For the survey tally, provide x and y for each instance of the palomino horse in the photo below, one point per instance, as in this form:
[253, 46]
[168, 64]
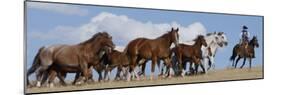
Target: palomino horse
[113, 60]
[142, 49]
[190, 53]
[71, 58]
[243, 52]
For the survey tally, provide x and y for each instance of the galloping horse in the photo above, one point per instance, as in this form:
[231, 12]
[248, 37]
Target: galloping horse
[243, 52]
[113, 60]
[191, 53]
[142, 49]
[214, 41]
[71, 58]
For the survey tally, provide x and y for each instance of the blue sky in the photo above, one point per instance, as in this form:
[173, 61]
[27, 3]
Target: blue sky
[49, 24]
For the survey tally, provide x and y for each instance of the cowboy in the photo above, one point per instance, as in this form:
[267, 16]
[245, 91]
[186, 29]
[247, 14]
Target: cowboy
[244, 36]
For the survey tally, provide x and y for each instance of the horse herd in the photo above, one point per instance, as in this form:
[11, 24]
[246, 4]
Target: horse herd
[98, 53]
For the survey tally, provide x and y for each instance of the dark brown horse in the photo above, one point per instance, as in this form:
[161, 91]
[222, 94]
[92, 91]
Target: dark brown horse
[72, 58]
[113, 60]
[244, 52]
[150, 49]
[190, 53]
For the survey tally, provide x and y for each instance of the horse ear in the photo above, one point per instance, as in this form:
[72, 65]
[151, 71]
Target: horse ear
[177, 29]
[172, 28]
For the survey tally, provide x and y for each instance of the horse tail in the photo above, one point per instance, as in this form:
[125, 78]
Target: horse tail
[35, 64]
[234, 54]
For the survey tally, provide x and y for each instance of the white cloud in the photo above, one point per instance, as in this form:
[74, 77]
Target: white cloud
[58, 8]
[123, 29]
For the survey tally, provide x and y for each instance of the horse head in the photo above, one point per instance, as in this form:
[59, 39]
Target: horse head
[104, 42]
[201, 39]
[174, 35]
[221, 39]
[254, 42]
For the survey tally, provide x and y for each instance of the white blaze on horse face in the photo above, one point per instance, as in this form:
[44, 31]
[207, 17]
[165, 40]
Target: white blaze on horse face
[176, 42]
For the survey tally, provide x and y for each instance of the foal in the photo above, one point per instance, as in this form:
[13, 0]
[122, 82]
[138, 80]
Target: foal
[190, 53]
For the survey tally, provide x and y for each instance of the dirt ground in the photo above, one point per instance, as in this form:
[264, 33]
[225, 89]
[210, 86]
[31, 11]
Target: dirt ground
[213, 75]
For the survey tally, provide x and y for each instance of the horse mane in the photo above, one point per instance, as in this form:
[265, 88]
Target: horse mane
[209, 34]
[165, 35]
[93, 38]
[87, 46]
[251, 41]
[199, 36]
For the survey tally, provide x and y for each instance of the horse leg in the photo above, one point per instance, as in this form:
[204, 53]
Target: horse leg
[61, 76]
[212, 61]
[250, 62]
[244, 61]
[154, 60]
[52, 76]
[131, 67]
[180, 63]
[44, 77]
[84, 69]
[107, 73]
[30, 71]
[169, 66]
[118, 73]
[202, 67]
[76, 78]
[39, 74]
[191, 70]
[196, 67]
[205, 62]
[237, 60]
[100, 75]
[90, 78]
[143, 63]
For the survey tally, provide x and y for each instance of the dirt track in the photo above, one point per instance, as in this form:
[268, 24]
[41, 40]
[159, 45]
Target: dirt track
[215, 75]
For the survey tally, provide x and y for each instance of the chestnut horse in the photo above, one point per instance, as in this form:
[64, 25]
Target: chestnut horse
[142, 49]
[243, 52]
[113, 60]
[71, 58]
[190, 53]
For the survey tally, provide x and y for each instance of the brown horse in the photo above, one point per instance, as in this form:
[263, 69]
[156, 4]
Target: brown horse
[72, 58]
[150, 49]
[113, 60]
[243, 52]
[190, 53]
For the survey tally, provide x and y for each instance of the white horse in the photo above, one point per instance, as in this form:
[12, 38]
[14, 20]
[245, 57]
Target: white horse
[214, 40]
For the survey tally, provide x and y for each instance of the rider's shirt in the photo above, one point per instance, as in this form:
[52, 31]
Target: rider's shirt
[245, 35]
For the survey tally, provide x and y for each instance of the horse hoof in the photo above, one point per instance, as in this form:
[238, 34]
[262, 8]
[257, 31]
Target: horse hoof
[38, 84]
[51, 85]
[151, 77]
[78, 83]
[170, 77]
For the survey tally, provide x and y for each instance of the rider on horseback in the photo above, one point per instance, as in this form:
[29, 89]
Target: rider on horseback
[244, 37]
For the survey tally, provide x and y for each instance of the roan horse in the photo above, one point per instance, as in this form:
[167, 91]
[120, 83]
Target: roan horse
[243, 52]
[142, 49]
[71, 58]
[190, 53]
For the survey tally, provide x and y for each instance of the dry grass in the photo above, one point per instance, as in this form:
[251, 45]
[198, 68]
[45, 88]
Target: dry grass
[215, 75]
